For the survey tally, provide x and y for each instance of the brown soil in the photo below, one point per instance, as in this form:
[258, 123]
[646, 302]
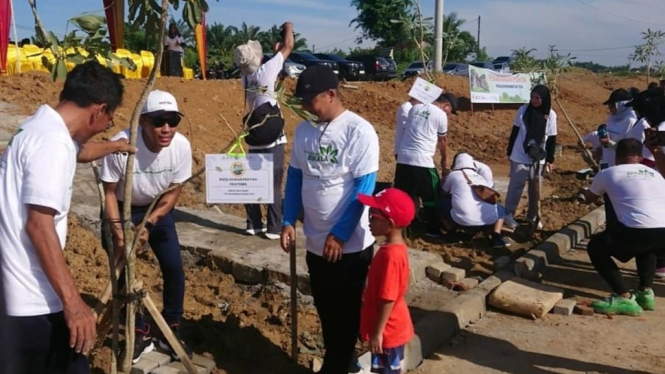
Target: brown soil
[256, 321]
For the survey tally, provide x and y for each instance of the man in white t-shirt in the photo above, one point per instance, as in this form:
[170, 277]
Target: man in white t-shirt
[530, 148]
[461, 206]
[163, 160]
[259, 80]
[332, 162]
[52, 326]
[636, 192]
[401, 119]
[425, 132]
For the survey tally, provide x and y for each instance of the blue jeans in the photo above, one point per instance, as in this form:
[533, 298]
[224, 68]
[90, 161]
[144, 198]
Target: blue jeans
[164, 243]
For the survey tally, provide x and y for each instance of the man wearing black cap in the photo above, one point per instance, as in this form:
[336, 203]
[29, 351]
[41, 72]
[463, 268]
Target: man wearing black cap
[332, 162]
[425, 131]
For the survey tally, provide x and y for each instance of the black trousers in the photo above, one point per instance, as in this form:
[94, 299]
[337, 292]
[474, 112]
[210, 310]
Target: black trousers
[274, 210]
[421, 184]
[624, 244]
[337, 289]
[42, 346]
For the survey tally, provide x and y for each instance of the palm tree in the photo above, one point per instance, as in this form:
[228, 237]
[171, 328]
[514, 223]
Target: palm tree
[273, 35]
[246, 33]
[523, 61]
[221, 39]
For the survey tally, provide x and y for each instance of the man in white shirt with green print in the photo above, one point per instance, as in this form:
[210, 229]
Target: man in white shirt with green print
[332, 162]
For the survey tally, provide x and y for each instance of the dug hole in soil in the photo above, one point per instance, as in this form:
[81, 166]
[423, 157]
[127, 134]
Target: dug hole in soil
[251, 329]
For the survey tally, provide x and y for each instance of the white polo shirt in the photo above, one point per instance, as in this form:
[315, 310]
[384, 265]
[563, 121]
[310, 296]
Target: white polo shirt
[37, 168]
[153, 172]
[425, 125]
[636, 192]
[331, 156]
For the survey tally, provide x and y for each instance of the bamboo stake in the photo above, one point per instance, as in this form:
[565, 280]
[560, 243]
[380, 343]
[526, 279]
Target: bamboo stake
[590, 158]
[127, 199]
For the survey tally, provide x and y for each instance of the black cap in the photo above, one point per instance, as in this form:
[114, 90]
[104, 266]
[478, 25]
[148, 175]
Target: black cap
[452, 99]
[618, 96]
[315, 80]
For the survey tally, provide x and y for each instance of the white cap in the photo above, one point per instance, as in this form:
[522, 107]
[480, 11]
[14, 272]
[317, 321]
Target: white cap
[160, 101]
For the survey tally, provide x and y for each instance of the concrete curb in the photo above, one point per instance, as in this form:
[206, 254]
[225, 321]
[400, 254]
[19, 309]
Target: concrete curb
[439, 327]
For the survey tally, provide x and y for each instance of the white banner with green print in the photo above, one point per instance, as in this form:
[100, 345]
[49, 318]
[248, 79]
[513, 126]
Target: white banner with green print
[490, 87]
[239, 179]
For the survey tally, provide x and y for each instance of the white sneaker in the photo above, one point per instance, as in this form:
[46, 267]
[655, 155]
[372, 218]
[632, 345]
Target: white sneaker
[509, 221]
[254, 232]
[272, 236]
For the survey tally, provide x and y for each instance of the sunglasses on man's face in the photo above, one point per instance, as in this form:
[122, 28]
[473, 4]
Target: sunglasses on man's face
[160, 121]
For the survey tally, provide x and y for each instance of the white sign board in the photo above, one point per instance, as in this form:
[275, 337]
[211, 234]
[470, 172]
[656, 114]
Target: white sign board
[488, 86]
[424, 91]
[239, 180]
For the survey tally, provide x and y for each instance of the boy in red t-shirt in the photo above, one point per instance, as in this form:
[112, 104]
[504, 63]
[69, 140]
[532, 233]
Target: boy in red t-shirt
[384, 320]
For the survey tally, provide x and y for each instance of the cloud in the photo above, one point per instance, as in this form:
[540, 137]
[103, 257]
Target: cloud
[309, 4]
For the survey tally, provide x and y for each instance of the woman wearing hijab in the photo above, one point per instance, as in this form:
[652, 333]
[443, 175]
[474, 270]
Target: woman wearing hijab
[173, 41]
[532, 142]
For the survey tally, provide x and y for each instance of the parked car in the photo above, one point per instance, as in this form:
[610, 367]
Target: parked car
[456, 68]
[500, 59]
[416, 68]
[309, 59]
[502, 68]
[349, 70]
[290, 69]
[377, 67]
[482, 64]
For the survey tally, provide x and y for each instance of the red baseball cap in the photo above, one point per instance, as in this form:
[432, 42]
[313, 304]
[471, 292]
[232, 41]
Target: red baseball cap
[394, 203]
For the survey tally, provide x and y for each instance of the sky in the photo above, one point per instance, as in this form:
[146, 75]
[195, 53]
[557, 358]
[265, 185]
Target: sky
[603, 31]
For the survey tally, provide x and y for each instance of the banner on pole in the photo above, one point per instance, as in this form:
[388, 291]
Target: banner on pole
[490, 87]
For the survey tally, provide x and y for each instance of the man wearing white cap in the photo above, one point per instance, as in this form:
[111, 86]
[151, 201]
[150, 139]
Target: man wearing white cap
[163, 159]
[261, 107]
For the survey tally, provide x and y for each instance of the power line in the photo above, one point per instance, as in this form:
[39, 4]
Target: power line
[337, 43]
[618, 15]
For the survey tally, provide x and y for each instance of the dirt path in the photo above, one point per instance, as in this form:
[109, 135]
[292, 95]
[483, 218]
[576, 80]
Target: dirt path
[502, 343]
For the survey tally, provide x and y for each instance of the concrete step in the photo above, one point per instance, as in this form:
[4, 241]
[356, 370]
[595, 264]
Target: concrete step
[158, 362]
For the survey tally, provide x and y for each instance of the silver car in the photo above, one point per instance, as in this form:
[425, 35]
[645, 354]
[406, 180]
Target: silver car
[290, 69]
[456, 68]
[415, 69]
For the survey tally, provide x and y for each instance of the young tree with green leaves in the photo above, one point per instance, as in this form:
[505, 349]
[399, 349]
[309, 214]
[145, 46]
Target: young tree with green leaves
[647, 52]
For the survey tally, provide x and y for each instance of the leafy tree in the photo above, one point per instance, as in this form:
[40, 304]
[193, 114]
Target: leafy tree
[645, 53]
[554, 65]
[375, 19]
[524, 61]
[246, 33]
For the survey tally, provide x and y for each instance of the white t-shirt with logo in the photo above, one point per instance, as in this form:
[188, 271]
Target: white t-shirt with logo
[37, 168]
[331, 156]
[486, 172]
[172, 43]
[401, 119]
[636, 192]
[426, 124]
[468, 209]
[153, 172]
[264, 78]
[518, 154]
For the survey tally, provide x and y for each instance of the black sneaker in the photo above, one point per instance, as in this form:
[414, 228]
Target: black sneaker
[498, 242]
[164, 344]
[142, 344]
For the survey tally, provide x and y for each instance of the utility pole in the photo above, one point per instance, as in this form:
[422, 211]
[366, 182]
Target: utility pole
[438, 36]
[478, 38]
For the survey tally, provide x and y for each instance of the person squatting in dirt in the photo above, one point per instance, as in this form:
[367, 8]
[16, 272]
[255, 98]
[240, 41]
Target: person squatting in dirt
[332, 162]
[426, 130]
[636, 192]
[163, 160]
[530, 150]
[385, 321]
[462, 208]
[258, 81]
[52, 328]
